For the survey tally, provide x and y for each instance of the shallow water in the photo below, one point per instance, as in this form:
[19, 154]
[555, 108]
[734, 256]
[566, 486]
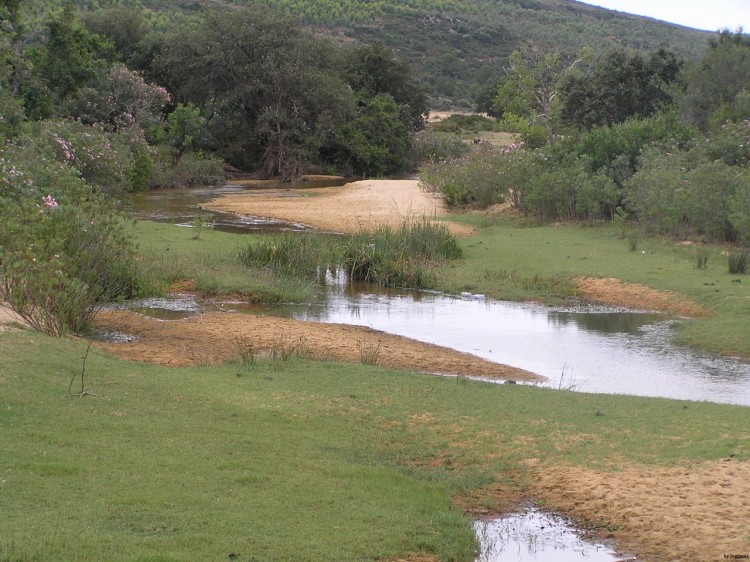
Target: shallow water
[535, 536]
[591, 349]
[180, 206]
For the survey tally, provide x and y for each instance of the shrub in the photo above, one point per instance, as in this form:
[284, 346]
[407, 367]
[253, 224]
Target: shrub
[429, 147]
[190, 169]
[63, 250]
[475, 179]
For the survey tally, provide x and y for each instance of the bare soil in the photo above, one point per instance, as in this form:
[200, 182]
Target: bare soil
[699, 512]
[186, 342]
[351, 208]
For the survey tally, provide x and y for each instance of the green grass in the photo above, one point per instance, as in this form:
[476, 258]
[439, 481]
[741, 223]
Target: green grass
[294, 460]
[171, 253]
[513, 258]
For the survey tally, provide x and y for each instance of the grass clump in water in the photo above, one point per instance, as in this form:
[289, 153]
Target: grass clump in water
[293, 254]
[399, 257]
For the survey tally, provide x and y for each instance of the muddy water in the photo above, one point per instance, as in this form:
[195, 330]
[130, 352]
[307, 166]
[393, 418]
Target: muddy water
[535, 535]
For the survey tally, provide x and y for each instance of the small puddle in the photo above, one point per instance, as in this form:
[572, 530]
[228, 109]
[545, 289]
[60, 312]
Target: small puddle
[535, 535]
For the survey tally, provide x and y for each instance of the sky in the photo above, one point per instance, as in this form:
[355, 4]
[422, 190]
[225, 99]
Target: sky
[710, 15]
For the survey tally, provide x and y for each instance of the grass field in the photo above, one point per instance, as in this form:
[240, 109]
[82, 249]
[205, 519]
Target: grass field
[294, 460]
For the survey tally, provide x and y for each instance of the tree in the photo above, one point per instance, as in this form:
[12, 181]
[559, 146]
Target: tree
[618, 87]
[267, 88]
[719, 88]
[529, 93]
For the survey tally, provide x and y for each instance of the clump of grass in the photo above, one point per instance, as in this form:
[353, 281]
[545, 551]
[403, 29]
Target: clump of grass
[247, 352]
[738, 261]
[369, 353]
[294, 254]
[702, 256]
[399, 257]
[286, 348]
[633, 238]
[559, 285]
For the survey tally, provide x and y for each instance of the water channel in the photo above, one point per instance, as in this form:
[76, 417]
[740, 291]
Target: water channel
[591, 349]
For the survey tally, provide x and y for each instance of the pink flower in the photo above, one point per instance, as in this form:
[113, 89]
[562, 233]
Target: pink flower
[49, 201]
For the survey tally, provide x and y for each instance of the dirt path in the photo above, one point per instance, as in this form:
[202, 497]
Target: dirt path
[221, 336]
[360, 205]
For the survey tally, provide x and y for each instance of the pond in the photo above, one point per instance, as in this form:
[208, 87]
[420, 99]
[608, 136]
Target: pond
[591, 349]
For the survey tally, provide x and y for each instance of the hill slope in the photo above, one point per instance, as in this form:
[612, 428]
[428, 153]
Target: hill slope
[456, 47]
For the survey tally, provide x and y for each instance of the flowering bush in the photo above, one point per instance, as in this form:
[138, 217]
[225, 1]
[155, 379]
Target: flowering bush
[62, 247]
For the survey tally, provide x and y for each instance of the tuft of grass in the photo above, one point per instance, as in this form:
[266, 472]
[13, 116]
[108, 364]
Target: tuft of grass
[292, 254]
[399, 257]
[369, 353]
[702, 256]
[738, 262]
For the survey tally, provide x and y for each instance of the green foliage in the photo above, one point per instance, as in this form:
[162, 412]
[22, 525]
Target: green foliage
[375, 142]
[457, 123]
[62, 248]
[680, 192]
[619, 87]
[185, 126]
[267, 87]
[399, 257]
[474, 179]
[718, 89]
[191, 169]
[428, 147]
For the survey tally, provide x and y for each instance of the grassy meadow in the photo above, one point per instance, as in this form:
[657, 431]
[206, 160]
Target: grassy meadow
[305, 460]
[293, 460]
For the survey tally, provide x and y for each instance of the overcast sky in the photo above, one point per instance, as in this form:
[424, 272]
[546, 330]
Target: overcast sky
[699, 14]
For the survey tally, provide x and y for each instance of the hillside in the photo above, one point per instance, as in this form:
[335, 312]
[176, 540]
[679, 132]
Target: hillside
[457, 47]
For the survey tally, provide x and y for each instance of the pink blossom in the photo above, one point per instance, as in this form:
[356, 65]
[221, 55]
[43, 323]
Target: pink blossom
[49, 201]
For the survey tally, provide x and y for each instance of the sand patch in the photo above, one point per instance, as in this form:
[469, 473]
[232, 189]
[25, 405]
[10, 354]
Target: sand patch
[695, 513]
[356, 206]
[9, 320]
[217, 337]
[632, 295]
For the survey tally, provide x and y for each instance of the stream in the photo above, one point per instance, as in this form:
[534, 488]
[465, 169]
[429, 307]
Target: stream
[588, 348]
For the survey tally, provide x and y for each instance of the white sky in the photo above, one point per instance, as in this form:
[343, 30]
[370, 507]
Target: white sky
[710, 15]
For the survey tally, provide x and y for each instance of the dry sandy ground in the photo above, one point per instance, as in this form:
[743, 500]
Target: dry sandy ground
[356, 206]
[699, 513]
[184, 342]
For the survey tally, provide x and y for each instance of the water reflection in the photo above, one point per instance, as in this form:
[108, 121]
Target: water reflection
[535, 535]
[592, 349]
[181, 205]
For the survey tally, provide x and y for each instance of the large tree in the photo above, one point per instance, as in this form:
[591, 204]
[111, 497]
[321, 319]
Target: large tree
[267, 87]
[619, 86]
[719, 89]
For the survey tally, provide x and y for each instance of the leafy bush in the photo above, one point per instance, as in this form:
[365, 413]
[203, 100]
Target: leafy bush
[457, 123]
[63, 250]
[429, 147]
[475, 179]
[192, 168]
